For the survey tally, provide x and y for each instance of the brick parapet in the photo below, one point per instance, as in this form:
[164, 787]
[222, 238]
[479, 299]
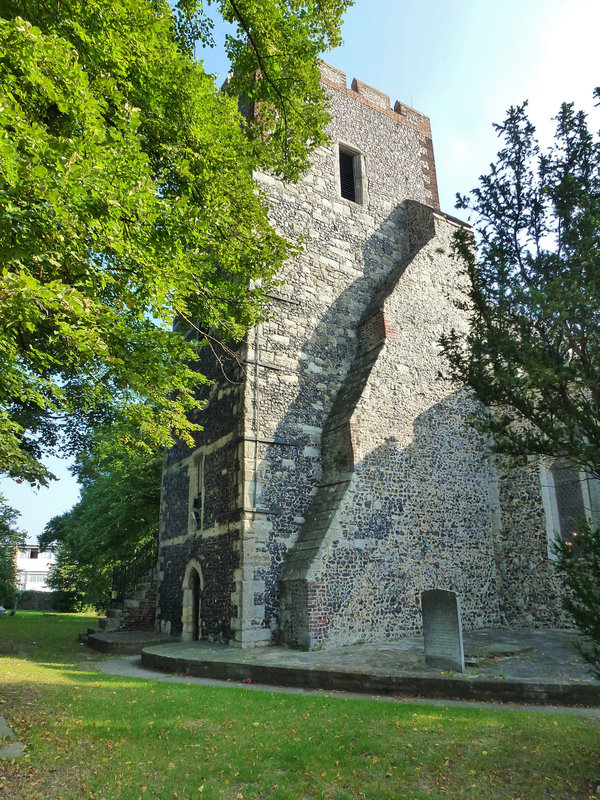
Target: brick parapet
[416, 121]
[401, 113]
[375, 98]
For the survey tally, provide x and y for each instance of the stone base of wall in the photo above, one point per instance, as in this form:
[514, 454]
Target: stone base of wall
[142, 618]
[294, 630]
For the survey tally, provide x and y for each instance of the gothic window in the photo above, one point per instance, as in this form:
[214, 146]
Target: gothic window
[570, 497]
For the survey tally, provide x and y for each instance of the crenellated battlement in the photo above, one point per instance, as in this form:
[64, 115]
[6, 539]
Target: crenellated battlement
[359, 90]
[402, 114]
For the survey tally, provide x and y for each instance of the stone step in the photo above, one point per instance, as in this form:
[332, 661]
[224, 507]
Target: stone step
[137, 594]
[124, 642]
[109, 623]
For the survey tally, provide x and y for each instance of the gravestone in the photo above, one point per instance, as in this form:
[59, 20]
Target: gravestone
[442, 630]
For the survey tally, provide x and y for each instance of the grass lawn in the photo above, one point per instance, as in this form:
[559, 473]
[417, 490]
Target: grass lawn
[89, 735]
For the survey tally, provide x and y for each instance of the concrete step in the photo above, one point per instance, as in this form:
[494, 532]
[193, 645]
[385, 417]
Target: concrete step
[124, 642]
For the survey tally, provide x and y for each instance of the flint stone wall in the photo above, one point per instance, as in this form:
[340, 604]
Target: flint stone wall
[339, 477]
[206, 478]
[530, 588]
[356, 508]
[219, 558]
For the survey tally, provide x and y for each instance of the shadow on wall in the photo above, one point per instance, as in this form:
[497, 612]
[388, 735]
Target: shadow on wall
[408, 518]
[291, 469]
[373, 495]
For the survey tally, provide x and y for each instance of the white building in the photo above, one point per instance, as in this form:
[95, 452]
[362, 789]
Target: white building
[33, 567]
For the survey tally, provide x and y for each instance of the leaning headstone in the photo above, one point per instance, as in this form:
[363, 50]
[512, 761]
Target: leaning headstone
[442, 630]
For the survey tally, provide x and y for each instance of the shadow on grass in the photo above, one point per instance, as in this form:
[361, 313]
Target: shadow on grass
[116, 735]
[94, 735]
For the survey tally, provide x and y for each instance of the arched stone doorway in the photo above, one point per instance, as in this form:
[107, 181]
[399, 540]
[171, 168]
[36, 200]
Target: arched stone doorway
[191, 615]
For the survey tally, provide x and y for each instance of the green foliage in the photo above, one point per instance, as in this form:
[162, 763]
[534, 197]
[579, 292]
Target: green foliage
[116, 516]
[10, 539]
[127, 200]
[274, 54]
[532, 354]
[580, 564]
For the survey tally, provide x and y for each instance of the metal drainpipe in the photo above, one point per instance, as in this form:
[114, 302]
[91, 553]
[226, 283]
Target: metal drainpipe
[256, 421]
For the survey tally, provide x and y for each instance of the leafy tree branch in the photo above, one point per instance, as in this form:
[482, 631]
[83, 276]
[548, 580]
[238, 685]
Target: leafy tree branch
[127, 200]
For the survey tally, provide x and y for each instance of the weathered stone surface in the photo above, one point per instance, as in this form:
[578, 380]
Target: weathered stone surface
[442, 630]
[337, 476]
[11, 747]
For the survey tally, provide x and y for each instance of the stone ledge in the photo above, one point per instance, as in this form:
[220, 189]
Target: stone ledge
[123, 642]
[524, 691]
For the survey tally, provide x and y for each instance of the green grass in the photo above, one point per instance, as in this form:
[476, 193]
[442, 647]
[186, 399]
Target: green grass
[94, 736]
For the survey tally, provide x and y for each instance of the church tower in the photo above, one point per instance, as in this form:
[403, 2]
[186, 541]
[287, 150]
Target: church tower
[337, 476]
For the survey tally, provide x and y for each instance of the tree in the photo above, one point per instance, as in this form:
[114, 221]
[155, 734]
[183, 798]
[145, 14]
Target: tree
[579, 561]
[115, 518]
[127, 200]
[10, 539]
[532, 353]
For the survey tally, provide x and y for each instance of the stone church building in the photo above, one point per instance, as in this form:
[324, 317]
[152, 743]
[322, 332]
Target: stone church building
[337, 476]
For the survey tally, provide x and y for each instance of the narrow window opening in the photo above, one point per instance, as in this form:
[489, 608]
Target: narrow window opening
[570, 504]
[198, 492]
[347, 176]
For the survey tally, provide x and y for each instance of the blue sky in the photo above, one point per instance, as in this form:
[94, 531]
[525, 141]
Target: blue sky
[460, 62]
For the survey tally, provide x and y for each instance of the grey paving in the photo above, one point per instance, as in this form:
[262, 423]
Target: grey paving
[131, 667]
[526, 667]
[12, 748]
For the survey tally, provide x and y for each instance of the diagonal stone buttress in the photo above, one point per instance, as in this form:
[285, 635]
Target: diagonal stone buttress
[301, 619]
